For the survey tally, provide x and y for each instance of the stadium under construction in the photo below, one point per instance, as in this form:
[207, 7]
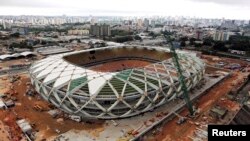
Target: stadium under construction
[114, 82]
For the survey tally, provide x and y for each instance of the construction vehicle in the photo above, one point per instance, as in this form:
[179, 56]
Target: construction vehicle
[134, 132]
[181, 77]
[114, 123]
[75, 118]
[181, 119]
[38, 108]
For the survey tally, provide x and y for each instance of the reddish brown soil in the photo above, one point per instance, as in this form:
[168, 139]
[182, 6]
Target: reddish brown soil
[4, 132]
[9, 119]
[211, 60]
[228, 104]
[42, 120]
[120, 65]
[173, 132]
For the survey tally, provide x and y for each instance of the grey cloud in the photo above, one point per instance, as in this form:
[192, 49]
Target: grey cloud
[24, 3]
[227, 2]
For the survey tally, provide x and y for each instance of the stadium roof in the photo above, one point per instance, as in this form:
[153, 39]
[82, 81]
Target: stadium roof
[85, 92]
[56, 69]
[62, 73]
[15, 55]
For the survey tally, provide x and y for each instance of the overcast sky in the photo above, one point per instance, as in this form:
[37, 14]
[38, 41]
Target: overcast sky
[230, 9]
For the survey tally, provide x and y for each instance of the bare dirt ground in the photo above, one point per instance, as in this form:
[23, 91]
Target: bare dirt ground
[46, 126]
[216, 96]
[4, 132]
[120, 65]
[4, 85]
[12, 62]
[212, 60]
[41, 121]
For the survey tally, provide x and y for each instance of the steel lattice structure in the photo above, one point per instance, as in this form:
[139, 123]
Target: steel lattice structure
[106, 95]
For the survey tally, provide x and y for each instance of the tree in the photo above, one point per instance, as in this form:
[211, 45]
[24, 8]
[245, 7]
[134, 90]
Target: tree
[120, 33]
[78, 40]
[137, 37]
[220, 46]
[123, 39]
[152, 34]
[55, 36]
[159, 25]
[22, 44]
[208, 41]
[191, 41]
[43, 42]
[102, 44]
[184, 39]
[15, 35]
[198, 45]
[183, 44]
[36, 42]
[240, 42]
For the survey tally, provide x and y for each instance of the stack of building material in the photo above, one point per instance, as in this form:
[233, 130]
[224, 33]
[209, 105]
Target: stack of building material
[25, 126]
[2, 105]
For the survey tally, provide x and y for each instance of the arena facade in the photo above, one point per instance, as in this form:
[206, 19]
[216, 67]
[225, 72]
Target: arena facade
[113, 82]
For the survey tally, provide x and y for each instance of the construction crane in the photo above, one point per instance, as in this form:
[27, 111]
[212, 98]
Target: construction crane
[181, 77]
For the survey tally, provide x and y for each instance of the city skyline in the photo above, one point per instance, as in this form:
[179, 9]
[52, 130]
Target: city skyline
[229, 9]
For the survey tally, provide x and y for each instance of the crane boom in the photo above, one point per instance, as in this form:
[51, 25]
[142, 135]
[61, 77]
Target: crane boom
[181, 77]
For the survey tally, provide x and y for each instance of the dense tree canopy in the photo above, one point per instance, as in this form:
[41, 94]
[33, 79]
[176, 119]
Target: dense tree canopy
[123, 39]
[121, 33]
[240, 43]
[137, 37]
[16, 35]
[22, 44]
[208, 41]
[220, 46]
[183, 44]
[191, 41]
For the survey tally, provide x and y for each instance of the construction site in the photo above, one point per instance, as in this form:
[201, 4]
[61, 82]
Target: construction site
[223, 104]
[221, 97]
